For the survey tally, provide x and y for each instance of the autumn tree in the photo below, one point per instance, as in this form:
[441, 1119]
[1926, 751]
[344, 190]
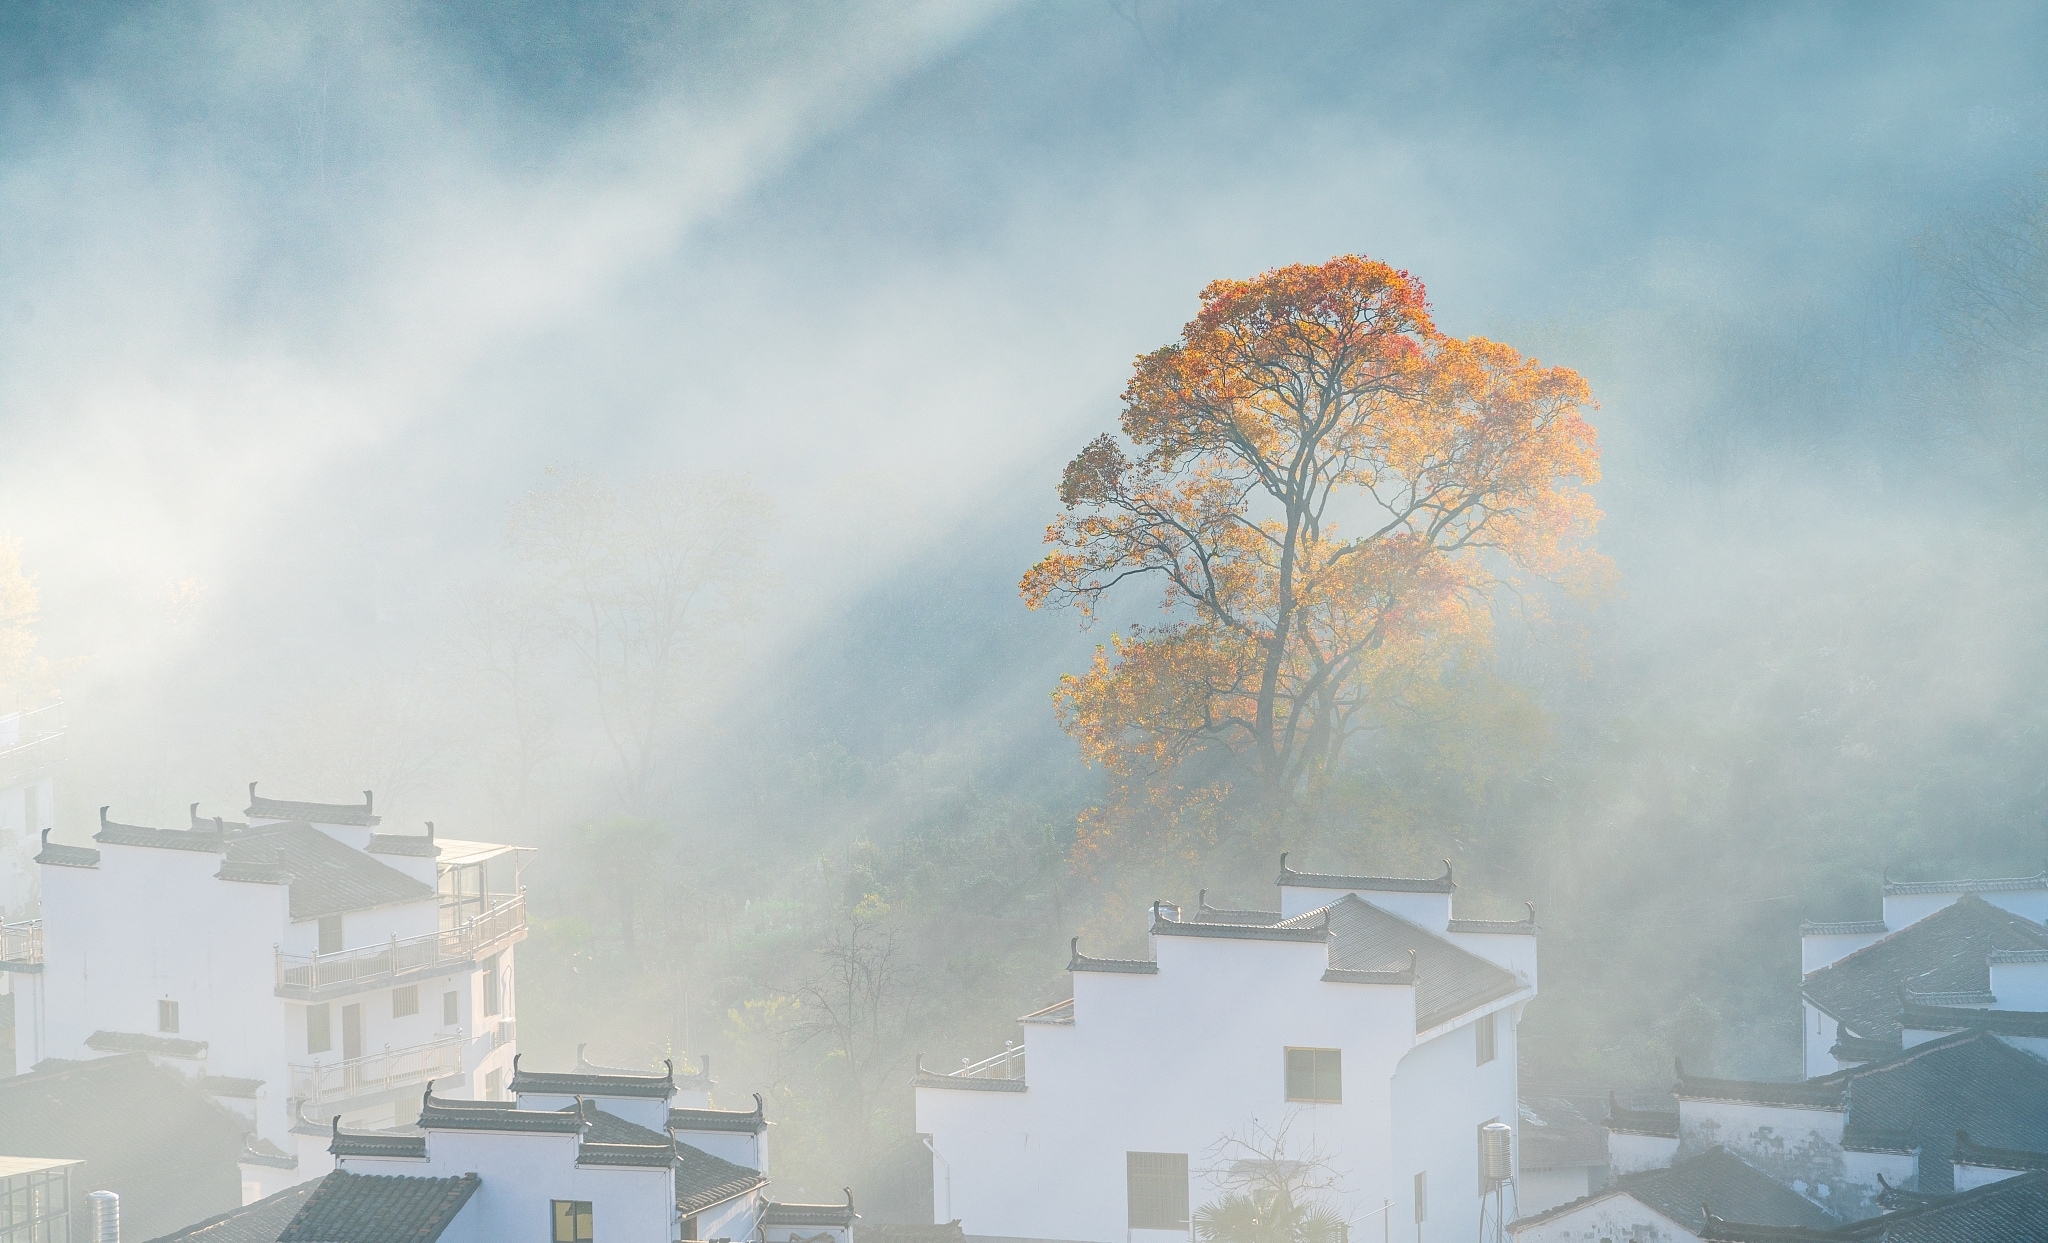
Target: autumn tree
[1323, 492]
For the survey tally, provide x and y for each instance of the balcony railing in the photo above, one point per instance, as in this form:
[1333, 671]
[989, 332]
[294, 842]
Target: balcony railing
[1009, 1064]
[21, 945]
[306, 975]
[387, 1071]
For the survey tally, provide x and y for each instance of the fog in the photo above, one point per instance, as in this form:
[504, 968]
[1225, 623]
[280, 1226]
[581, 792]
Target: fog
[297, 307]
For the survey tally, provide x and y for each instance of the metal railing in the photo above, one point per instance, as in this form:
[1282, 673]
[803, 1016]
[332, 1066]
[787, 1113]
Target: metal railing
[377, 1072]
[22, 942]
[1009, 1064]
[303, 975]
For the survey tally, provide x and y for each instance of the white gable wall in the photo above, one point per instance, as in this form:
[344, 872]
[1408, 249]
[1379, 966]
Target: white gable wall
[1902, 909]
[1619, 1217]
[1970, 1177]
[523, 1173]
[1441, 1097]
[2020, 985]
[1825, 950]
[1631, 1154]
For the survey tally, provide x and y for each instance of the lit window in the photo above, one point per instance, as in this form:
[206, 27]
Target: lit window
[167, 1016]
[572, 1221]
[319, 1032]
[405, 1001]
[1315, 1075]
[1156, 1187]
[1483, 1034]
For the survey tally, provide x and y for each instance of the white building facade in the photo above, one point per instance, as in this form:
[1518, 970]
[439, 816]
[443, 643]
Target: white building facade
[31, 744]
[1362, 1026]
[298, 966]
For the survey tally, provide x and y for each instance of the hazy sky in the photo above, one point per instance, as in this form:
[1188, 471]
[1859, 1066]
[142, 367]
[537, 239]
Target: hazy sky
[293, 303]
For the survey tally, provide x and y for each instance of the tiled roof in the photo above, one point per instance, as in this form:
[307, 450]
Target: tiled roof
[1119, 966]
[1969, 1152]
[574, 1083]
[1286, 931]
[1853, 1048]
[444, 1115]
[1223, 915]
[1657, 1122]
[1058, 1014]
[229, 1085]
[205, 841]
[700, 1077]
[370, 1143]
[402, 844]
[1499, 927]
[322, 813]
[1943, 952]
[1843, 928]
[327, 877]
[136, 1042]
[1827, 1092]
[651, 1156]
[1555, 1134]
[379, 1208]
[600, 1127]
[216, 824]
[1956, 1018]
[114, 1112]
[1449, 981]
[252, 1223]
[1971, 1081]
[742, 1121]
[2012, 1210]
[1388, 884]
[840, 1215]
[259, 1151]
[1715, 1180]
[59, 855]
[2002, 885]
[704, 1181]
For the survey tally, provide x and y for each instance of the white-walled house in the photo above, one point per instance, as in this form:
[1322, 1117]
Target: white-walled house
[1362, 1019]
[297, 966]
[1935, 938]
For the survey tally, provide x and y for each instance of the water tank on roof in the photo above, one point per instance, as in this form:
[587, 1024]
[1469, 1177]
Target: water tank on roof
[1496, 1152]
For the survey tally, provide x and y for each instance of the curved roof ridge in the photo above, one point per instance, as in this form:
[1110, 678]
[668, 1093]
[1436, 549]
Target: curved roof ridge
[1392, 884]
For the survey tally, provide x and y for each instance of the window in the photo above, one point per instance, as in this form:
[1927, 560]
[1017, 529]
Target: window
[491, 998]
[1157, 1190]
[572, 1221]
[405, 1001]
[330, 934]
[1315, 1075]
[319, 1031]
[1483, 1036]
[451, 1014]
[167, 1016]
[1422, 1196]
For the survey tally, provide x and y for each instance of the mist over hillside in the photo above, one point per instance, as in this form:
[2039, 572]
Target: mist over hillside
[298, 309]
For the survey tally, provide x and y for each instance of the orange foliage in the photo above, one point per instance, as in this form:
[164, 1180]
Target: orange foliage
[1327, 490]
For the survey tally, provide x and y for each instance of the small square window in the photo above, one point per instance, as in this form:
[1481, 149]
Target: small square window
[1483, 1036]
[1315, 1075]
[405, 1001]
[451, 1011]
[167, 1016]
[573, 1222]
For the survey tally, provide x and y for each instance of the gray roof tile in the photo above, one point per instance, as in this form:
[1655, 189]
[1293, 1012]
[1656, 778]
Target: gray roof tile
[1944, 952]
[744, 1121]
[328, 877]
[1450, 981]
[321, 813]
[1715, 1179]
[2013, 1210]
[586, 1083]
[704, 1181]
[379, 1208]
[252, 1223]
[1385, 884]
[137, 1042]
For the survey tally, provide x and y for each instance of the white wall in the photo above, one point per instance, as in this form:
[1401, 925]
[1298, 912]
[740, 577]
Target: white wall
[20, 841]
[1429, 910]
[1631, 1154]
[1971, 1177]
[1791, 1145]
[1816, 952]
[2020, 985]
[1537, 1190]
[1821, 1032]
[522, 1173]
[1903, 909]
[1441, 1097]
[1617, 1217]
[651, 1113]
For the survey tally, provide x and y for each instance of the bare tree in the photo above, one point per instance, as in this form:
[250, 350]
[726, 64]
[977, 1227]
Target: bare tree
[504, 645]
[1274, 1189]
[644, 580]
[856, 1007]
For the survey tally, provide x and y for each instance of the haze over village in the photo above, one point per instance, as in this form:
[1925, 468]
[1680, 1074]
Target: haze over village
[976, 622]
